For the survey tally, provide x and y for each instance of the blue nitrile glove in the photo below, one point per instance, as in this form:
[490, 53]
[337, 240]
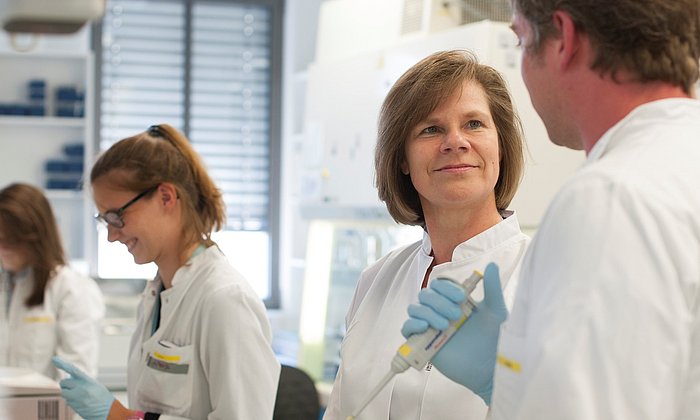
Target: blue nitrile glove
[469, 358]
[87, 397]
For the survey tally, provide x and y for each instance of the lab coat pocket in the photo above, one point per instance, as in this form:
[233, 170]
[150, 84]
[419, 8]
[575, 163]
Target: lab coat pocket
[166, 383]
[509, 377]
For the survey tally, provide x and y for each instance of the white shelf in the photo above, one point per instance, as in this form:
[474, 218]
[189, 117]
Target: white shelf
[42, 121]
[58, 194]
[14, 55]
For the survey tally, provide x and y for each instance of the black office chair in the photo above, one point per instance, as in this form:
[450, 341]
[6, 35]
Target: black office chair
[297, 398]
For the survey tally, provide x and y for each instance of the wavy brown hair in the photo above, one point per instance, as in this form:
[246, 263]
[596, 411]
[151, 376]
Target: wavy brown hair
[163, 154]
[413, 97]
[27, 223]
[655, 40]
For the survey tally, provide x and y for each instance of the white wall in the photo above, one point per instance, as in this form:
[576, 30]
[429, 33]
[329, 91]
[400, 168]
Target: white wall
[300, 28]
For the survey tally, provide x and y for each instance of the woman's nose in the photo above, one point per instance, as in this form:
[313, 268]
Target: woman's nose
[455, 140]
[112, 233]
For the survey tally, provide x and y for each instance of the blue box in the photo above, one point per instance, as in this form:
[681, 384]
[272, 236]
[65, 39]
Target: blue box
[36, 110]
[74, 150]
[64, 184]
[64, 166]
[37, 83]
[66, 93]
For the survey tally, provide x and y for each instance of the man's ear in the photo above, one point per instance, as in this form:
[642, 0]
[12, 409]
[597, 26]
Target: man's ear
[569, 40]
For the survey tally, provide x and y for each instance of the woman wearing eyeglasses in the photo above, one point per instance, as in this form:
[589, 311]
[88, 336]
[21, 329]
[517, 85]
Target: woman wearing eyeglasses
[202, 346]
[48, 308]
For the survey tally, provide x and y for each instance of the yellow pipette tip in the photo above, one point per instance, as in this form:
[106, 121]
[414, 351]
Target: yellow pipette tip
[350, 418]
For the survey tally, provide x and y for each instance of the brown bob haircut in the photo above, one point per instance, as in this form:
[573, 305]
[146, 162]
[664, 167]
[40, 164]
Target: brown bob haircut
[163, 154]
[413, 97]
[27, 224]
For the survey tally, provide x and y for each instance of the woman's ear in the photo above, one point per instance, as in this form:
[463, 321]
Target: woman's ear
[404, 168]
[167, 194]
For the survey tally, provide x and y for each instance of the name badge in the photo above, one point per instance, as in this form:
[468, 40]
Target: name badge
[38, 319]
[167, 364]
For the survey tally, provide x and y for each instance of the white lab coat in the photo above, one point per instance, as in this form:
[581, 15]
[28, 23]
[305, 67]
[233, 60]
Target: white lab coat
[211, 358]
[605, 323]
[65, 325]
[378, 311]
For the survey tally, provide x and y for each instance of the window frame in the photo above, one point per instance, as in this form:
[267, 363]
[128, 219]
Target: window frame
[272, 301]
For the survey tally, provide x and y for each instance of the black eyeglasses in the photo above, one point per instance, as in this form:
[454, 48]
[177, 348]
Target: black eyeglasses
[114, 217]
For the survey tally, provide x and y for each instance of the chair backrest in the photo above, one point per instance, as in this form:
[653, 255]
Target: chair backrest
[297, 398]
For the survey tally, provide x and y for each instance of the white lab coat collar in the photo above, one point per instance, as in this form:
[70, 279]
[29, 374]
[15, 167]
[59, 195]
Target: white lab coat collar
[483, 242]
[663, 108]
[182, 276]
[182, 280]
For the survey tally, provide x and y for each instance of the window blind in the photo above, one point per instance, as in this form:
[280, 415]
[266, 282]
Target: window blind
[229, 121]
[212, 69]
[205, 68]
[142, 68]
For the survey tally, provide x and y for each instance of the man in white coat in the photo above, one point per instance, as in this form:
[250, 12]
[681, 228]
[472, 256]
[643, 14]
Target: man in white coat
[606, 319]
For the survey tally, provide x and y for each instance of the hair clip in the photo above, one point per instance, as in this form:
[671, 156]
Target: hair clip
[154, 131]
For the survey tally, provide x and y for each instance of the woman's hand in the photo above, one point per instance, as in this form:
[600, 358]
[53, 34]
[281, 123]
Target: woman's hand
[87, 397]
[469, 357]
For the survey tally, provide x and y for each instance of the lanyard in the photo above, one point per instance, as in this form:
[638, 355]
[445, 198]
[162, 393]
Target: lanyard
[156, 310]
[9, 289]
[12, 279]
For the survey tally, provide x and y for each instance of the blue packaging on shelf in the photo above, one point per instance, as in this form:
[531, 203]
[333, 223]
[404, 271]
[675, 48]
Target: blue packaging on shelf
[36, 110]
[64, 184]
[37, 90]
[70, 111]
[67, 93]
[69, 102]
[19, 109]
[37, 83]
[64, 166]
[74, 150]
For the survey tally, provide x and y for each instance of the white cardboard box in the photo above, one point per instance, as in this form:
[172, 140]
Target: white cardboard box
[27, 395]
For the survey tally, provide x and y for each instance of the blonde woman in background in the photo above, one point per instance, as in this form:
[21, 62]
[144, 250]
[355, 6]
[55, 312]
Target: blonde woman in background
[48, 309]
[202, 346]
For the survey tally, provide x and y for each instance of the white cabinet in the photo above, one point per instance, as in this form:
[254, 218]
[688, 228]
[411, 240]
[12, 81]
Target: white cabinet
[27, 142]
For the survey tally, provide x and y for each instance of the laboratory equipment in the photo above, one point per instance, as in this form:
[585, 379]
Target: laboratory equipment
[419, 349]
[51, 17]
[28, 395]
[341, 242]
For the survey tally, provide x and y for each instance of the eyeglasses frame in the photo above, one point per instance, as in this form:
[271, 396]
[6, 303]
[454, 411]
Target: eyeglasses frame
[118, 212]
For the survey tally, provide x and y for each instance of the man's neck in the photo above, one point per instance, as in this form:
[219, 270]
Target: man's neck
[608, 102]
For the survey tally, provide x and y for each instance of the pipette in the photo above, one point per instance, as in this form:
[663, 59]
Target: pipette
[419, 349]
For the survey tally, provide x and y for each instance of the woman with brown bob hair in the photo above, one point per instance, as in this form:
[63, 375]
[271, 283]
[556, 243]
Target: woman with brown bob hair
[202, 344]
[49, 309]
[449, 158]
